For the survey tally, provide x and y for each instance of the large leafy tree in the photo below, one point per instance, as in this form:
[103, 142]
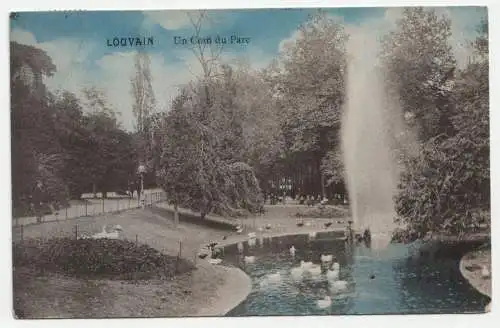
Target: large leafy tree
[36, 152]
[203, 159]
[420, 68]
[447, 187]
[310, 82]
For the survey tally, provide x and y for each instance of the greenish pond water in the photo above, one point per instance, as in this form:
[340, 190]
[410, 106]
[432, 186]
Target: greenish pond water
[398, 280]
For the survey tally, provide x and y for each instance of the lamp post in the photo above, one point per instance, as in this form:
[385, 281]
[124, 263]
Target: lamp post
[141, 170]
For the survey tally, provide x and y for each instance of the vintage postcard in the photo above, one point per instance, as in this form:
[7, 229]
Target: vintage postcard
[259, 162]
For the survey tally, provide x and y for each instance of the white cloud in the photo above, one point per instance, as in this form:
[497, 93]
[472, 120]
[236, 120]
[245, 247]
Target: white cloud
[112, 75]
[23, 37]
[169, 20]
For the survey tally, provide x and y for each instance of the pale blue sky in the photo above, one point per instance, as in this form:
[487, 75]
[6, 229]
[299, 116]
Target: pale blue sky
[77, 43]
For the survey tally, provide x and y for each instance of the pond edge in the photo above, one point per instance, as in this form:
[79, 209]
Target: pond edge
[239, 285]
[472, 281]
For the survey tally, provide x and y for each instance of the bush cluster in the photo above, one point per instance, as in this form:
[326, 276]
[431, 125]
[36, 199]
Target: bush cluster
[320, 212]
[97, 258]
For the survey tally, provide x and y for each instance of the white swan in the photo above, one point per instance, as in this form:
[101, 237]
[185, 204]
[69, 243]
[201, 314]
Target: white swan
[336, 266]
[326, 258]
[214, 261]
[240, 247]
[249, 259]
[297, 273]
[315, 271]
[104, 234]
[339, 285]
[292, 250]
[252, 242]
[306, 265]
[274, 277]
[324, 303]
[332, 274]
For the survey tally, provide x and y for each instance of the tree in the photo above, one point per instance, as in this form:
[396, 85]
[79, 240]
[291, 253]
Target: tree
[109, 158]
[36, 152]
[310, 84]
[447, 188]
[420, 68]
[197, 168]
[143, 106]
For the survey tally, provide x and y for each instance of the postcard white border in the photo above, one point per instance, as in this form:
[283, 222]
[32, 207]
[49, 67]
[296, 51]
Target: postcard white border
[408, 321]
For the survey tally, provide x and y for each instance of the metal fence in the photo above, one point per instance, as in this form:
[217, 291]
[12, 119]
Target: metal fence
[95, 207]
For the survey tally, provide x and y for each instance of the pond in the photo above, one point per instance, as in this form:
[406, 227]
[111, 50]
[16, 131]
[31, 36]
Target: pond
[398, 280]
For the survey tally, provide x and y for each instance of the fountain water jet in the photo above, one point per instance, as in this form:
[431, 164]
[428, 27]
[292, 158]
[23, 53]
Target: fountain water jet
[371, 127]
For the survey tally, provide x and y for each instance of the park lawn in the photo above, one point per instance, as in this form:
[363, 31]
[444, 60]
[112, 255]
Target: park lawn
[56, 296]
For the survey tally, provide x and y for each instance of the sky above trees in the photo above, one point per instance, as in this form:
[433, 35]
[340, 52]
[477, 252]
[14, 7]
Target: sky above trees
[77, 44]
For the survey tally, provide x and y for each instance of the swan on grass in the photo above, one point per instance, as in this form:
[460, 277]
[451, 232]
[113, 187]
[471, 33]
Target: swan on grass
[214, 261]
[105, 234]
[324, 303]
[249, 259]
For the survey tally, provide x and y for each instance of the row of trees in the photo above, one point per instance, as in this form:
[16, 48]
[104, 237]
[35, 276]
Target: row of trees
[62, 146]
[283, 124]
[234, 134]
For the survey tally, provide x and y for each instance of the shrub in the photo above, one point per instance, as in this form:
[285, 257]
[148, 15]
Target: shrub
[320, 212]
[97, 258]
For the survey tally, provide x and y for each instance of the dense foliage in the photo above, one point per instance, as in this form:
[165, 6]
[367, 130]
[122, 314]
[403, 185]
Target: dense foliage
[203, 162]
[62, 146]
[235, 135]
[446, 188]
[97, 258]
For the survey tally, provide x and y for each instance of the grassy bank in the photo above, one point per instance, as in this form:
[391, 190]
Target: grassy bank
[55, 294]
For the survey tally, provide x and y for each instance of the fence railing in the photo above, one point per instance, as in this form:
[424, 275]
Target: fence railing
[94, 207]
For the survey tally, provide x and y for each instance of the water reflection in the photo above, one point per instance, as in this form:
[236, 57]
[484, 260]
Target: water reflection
[396, 280]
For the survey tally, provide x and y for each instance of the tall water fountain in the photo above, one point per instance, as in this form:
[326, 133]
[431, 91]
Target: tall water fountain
[370, 128]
